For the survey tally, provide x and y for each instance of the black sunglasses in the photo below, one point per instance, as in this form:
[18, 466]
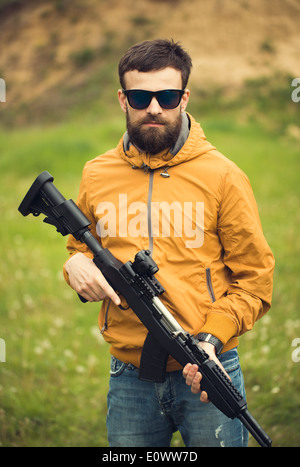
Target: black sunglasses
[140, 99]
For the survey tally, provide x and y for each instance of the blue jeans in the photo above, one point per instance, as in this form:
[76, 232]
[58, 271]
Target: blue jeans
[147, 414]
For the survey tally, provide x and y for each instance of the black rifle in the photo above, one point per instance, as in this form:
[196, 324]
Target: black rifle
[137, 284]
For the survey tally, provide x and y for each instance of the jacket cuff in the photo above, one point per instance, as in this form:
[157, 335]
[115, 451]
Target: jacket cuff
[220, 326]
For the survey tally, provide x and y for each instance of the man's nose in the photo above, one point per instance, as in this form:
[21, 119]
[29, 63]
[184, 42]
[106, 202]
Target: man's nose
[154, 108]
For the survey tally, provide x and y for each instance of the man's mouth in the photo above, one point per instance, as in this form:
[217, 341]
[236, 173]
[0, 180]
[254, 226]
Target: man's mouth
[153, 124]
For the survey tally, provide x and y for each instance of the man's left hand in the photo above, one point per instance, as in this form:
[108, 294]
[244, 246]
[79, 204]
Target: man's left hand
[193, 376]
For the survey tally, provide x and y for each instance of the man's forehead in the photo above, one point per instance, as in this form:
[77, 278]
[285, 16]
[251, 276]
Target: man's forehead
[155, 80]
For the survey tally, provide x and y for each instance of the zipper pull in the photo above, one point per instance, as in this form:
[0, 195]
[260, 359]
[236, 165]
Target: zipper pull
[165, 173]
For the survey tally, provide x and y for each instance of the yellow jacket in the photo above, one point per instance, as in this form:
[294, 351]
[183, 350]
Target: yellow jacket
[195, 210]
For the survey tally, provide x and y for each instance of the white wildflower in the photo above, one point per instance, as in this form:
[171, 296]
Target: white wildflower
[265, 349]
[58, 322]
[68, 353]
[255, 388]
[28, 300]
[38, 350]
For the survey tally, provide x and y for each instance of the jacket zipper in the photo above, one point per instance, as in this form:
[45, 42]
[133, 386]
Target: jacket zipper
[150, 189]
[209, 285]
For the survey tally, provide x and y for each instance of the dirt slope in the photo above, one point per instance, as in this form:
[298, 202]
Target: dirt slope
[53, 47]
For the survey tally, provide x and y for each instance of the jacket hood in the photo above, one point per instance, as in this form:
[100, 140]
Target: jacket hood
[191, 143]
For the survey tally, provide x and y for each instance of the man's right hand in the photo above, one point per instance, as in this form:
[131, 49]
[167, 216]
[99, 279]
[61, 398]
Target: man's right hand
[88, 281]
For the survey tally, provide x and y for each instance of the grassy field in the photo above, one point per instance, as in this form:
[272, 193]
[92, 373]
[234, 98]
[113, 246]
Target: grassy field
[54, 382]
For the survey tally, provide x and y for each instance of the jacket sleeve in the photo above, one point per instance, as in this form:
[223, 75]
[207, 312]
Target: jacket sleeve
[75, 246]
[248, 257]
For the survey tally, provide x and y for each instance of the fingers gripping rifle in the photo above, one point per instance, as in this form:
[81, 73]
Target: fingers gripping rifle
[135, 281]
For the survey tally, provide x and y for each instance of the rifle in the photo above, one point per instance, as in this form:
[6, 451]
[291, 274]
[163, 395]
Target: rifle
[135, 281]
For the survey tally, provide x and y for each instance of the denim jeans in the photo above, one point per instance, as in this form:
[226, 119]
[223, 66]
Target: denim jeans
[147, 414]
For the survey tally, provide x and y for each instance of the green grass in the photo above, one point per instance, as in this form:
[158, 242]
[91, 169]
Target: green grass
[272, 378]
[54, 382]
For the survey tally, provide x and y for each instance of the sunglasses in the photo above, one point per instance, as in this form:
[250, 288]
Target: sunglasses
[140, 99]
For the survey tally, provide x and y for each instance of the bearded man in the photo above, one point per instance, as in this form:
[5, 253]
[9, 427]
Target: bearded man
[167, 189]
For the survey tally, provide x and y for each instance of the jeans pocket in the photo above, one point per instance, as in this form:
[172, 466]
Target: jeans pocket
[116, 367]
[231, 363]
[230, 360]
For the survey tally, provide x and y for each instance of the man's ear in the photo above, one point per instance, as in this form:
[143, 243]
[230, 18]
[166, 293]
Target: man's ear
[184, 100]
[122, 100]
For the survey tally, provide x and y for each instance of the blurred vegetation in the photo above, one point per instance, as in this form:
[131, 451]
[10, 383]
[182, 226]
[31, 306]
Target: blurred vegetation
[53, 385]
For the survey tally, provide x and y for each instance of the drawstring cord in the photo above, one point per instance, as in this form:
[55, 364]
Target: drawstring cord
[165, 173]
[146, 169]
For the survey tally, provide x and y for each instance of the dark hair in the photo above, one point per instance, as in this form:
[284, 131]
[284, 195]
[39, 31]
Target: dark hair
[156, 55]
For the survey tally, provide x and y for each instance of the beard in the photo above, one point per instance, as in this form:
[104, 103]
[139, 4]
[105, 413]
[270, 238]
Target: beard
[153, 140]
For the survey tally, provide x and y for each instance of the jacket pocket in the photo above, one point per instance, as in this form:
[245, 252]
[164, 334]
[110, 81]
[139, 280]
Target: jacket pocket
[209, 285]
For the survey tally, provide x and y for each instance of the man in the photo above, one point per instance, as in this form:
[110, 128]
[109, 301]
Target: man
[167, 189]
